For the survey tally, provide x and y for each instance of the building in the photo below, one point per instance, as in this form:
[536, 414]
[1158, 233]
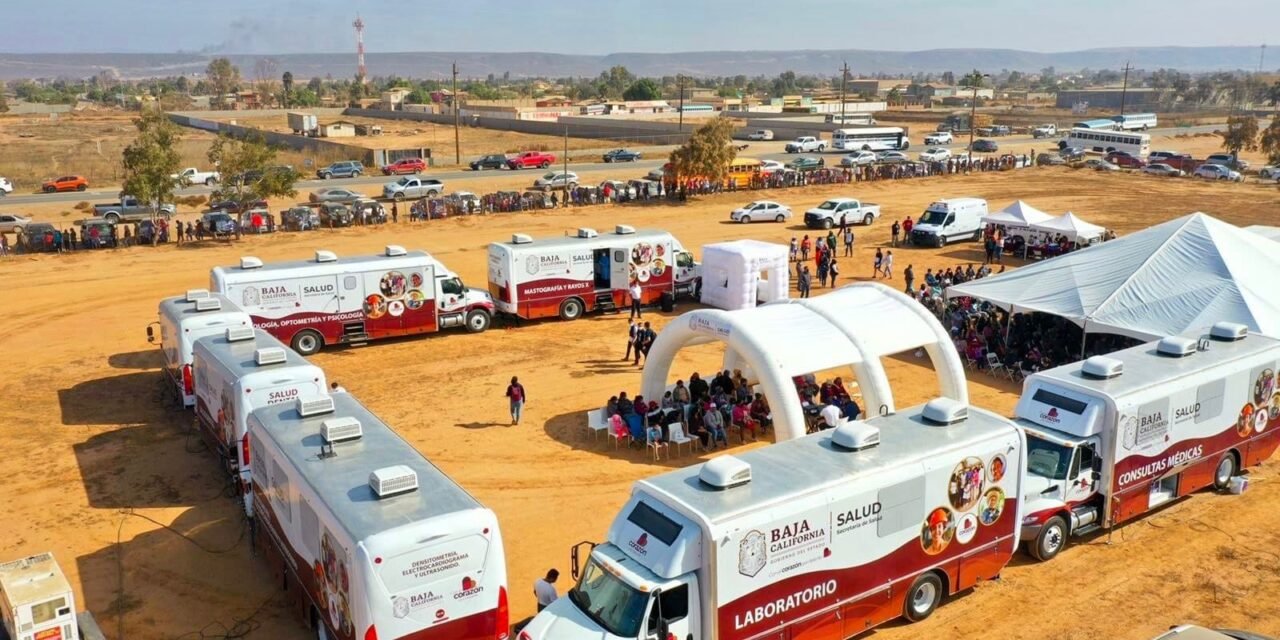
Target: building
[553, 101]
[338, 129]
[1110, 98]
[931, 91]
[874, 87]
[393, 99]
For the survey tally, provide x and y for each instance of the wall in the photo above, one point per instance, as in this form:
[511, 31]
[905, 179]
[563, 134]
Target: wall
[641, 132]
[369, 157]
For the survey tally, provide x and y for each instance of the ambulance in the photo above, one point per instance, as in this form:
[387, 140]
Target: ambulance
[182, 321]
[235, 373]
[332, 300]
[821, 537]
[1116, 436]
[569, 276]
[373, 540]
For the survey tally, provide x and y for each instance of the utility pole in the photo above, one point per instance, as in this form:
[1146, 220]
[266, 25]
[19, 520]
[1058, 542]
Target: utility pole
[566, 167]
[976, 81]
[844, 82]
[680, 88]
[457, 139]
[1124, 89]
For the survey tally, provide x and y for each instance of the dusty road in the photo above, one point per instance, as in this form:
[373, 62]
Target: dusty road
[87, 441]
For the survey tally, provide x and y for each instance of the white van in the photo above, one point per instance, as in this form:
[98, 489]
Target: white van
[947, 220]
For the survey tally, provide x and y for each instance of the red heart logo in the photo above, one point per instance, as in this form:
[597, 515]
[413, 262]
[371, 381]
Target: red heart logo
[643, 539]
[439, 613]
[468, 583]
[826, 552]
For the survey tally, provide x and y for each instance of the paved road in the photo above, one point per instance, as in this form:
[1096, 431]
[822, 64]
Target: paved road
[657, 157]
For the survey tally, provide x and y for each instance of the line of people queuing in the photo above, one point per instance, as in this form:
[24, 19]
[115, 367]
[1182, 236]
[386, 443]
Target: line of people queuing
[704, 411]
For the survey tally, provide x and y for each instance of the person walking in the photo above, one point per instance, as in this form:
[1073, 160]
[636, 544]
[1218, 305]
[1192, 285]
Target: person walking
[804, 282]
[879, 261]
[805, 245]
[647, 336]
[795, 249]
[888, 265]
[848, 242]
[544, 589]
[635, 293]
[894, 231]
[4, 245]
[832, 272]
[516, 398]
[178, 228]
[631, 337]
[910, 275]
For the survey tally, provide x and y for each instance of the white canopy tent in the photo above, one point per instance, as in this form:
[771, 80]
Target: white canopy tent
[1179, 276]
[1075, 229]
[737, 274]
[854, 326]
[1271, 233]
[1017, 218]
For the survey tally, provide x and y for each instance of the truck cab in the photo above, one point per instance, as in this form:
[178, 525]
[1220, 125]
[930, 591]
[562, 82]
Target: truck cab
[645, 583]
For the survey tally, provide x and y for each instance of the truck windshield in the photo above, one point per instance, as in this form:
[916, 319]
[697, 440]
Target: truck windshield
[613, 604]
[828, 205]
[934, 217]
[1047, 459]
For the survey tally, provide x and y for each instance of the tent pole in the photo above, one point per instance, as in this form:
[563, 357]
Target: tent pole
[1084, 337]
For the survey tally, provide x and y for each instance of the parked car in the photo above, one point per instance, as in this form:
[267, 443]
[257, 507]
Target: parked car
[1209, 171]
[344, 169]
[835, 210]
[892, 157]
[336, 214]
[65, 183]
[621, 155]
[6, 187]
[806, 144]
[761, 211]
[622, 189]
[858, 158]
[1162, 169]
[491, 161]
[531, 159]
[146, 231]
[1124, 160]
[300, 219]
[405, 165]
[102, 231]
[192, 175]
[1270, 172]
[944, 127]
[1001, 130]
[936, 154]
[1193, 632]
[556, 180]
[939, 137]
[985, 146]
[1045, 131]
[769, 166]
[35, 233]
[1099, 164]
[129, 209]
[1228, 160]
[465, 200]
[218, 224]
[11, 222]
[1072, 154]
[806, 163]
[656, 174]
[760, 134]
[334, 194]
[1050, 160]
[412, 187]
[1160, 156]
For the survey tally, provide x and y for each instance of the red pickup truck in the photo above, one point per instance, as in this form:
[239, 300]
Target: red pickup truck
[531, 159]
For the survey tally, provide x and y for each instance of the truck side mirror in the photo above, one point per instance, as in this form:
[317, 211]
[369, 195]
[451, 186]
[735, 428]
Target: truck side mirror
[1096, 475]
[151, 334]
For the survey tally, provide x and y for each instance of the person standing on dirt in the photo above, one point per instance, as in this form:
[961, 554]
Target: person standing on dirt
[887, 267]
[635, 293]
[631, 337]
[516, 398]
[179, 229]
[544, 589]
[804, 282]
[910, 275]
[395, 212]
[894, 231]
[848, 242]
[647, 336]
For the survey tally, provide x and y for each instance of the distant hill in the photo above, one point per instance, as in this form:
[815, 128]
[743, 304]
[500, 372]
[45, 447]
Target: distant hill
[700, 63]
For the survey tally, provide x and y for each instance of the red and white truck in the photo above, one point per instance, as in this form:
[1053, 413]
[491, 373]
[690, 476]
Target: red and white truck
[1114, 437]
[531, 160]
[373, 539]
[818, 538]
[568, 276]
[235, 373]
[332, 300]
[183, 320]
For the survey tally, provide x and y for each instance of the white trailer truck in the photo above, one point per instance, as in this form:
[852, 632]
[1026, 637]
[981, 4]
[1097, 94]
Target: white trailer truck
[373, 540]
[1113, 437]
[822, 537]
[183, 320]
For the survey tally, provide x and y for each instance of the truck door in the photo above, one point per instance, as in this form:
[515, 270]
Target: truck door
[1084, 475]
[674, 613]
[620, 268]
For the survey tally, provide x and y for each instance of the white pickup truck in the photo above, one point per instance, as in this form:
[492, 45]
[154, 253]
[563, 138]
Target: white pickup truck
[1045, 131]
[192, 175]
[806, 144]
[829, 213]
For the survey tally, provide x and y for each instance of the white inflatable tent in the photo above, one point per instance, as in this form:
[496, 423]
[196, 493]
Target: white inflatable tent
[854, 326]
[736, 274]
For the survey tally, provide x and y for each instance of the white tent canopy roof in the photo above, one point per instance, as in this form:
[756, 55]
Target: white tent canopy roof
[1017, 214]
[1175, 277]
[1070, 226]
[1271, 233]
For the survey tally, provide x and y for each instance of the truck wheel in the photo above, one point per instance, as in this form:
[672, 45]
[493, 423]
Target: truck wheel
[924, 596]
[545, 164]
[209, 182]
[942, 241]
[977, 235]
[1225, 471]
[1052, 538]
[325, 176]
[867, 220]
[50, 189]
[399, 196]
[827, 224]
[112, 217]
[780, 218]
[571, 309]
[307, 342]
[478, 321]
[81, 187]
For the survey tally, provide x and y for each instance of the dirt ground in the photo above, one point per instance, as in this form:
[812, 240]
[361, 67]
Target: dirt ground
[103, 475]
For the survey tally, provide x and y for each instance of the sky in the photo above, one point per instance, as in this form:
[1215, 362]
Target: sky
[612, 26]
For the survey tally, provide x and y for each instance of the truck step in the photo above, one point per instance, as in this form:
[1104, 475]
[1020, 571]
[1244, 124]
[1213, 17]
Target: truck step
[604, 304]
[1087, 529]
[355, 338]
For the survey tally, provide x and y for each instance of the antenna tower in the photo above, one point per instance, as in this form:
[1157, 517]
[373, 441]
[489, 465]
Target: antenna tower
[360, 70]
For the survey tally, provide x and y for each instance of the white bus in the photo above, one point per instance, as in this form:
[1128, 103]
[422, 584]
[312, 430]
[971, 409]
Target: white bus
[1137, 145]
[863, 119]
[870, 139]
[1135, 121]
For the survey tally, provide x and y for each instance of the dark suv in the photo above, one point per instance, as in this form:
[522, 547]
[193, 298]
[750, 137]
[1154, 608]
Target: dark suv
[345, 169]
[492, 161]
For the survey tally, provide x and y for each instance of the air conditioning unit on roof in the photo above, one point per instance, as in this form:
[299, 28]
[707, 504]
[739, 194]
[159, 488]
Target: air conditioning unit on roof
[521, 238]
[1176, 346]
[326, 256]
[315, 406]
[725, 472]
[394, 480]
[394, 250]
[945, 411]
[585, 232]
[196, 294]
[342, 429]
[269, 355]
[239, 334]
[208, 304]
[250, 262]
[624, 230]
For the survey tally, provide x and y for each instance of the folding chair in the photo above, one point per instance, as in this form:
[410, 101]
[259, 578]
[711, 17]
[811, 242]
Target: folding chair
[596, 422]
[618, 431]
[997, 368]
[677, 436]
[657, 447]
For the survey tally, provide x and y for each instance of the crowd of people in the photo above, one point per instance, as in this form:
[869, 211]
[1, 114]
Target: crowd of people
[703, 411]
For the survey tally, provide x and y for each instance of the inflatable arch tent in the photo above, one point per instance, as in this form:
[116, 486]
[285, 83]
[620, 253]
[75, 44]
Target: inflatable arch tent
[854, 326]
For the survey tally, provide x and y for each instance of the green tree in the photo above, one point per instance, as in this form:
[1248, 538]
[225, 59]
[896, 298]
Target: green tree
[1271, 141]
[894, 97]
[1241, 134]
[642, 89]
[152, 158]
[707, 154]
[615, 81]
[1273, 95]
[287, 82]
[254, 158]
[223, 78]
[728, 92]
[4, 101]
[304, 97]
